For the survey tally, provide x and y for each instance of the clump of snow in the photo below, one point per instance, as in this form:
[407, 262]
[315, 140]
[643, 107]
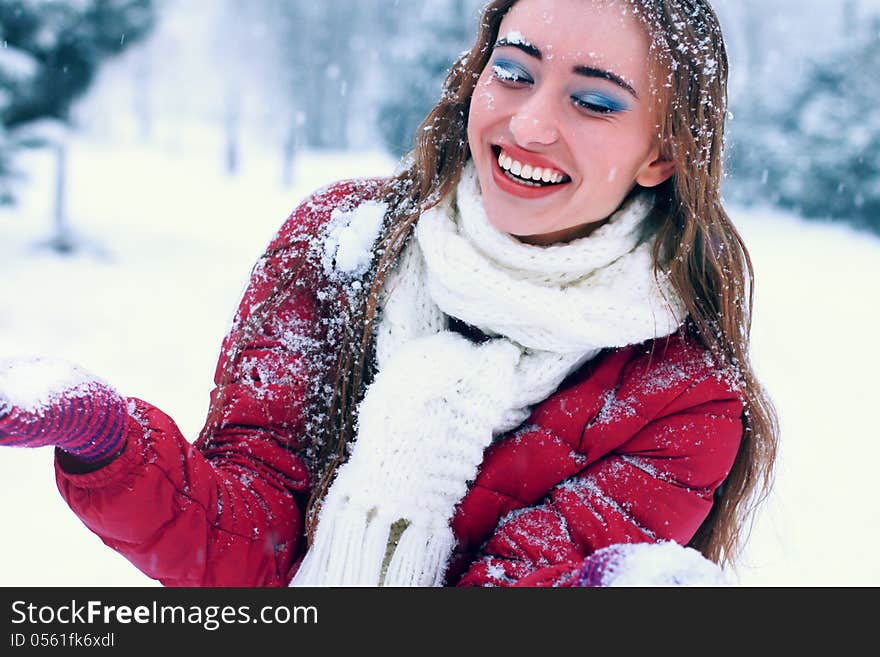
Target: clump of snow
[503, 74]
[515, 37]
[32, 383]
[348, 247]
[659, 564]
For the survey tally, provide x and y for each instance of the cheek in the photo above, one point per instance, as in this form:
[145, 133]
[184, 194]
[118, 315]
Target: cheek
[482, 115]
[483, 106]
[610, 147]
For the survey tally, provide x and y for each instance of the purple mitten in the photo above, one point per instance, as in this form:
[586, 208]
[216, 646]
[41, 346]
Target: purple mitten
[51, 402]
[649, 564]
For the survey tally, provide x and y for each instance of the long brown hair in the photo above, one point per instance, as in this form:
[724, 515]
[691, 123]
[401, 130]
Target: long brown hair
[697, 245]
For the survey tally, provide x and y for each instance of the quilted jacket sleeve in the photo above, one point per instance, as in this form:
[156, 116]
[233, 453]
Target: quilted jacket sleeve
[654, 442]
[227, 510]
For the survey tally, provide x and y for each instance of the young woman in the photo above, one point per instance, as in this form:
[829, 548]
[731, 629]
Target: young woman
[527, 347]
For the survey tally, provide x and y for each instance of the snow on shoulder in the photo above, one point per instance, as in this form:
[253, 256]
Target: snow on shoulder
[32, 383]
[348, 247]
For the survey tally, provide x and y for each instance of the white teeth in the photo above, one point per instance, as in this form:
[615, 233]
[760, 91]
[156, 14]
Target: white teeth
[527, 183]
[527, 171]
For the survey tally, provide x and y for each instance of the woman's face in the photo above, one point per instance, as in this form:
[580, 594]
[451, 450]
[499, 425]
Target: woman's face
[565, 99]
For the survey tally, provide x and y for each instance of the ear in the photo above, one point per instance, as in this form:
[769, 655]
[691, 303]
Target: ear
[655, 170]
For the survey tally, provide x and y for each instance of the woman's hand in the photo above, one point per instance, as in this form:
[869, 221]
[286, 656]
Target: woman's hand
[49, 402]
[648, 564]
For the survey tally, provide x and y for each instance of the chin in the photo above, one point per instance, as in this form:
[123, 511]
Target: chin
[516, 229]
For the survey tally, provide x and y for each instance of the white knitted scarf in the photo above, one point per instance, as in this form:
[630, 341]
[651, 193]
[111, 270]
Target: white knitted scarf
[438, 400]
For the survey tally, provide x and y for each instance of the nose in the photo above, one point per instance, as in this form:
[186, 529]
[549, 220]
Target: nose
[536, 122]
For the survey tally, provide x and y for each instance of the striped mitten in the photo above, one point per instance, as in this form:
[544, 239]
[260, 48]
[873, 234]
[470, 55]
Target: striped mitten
[664, 563]
[49, 402]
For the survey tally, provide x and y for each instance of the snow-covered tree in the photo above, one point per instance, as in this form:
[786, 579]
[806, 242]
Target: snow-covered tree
[818, 152]
[419, 61]
[318, 61]
[49, 53]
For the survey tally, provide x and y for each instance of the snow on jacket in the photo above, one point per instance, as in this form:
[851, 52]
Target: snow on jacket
[630, 448]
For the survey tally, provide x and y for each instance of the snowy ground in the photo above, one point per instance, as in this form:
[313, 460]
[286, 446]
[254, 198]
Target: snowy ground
[172, 240]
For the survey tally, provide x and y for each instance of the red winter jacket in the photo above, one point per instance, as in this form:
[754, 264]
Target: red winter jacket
[630, 448]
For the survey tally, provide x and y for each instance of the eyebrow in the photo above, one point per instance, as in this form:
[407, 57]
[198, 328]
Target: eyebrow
[586, 71]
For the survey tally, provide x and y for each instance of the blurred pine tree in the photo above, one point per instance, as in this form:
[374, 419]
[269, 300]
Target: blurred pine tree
[50, 51]
[817, 153]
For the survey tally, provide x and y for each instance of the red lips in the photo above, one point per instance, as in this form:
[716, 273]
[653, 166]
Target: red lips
[510, 186]
[527, 157]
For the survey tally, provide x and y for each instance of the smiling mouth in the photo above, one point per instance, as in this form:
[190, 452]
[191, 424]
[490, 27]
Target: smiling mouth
[527, 175]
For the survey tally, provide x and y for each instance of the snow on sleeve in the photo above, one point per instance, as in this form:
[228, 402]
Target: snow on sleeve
[657, 564]
[348, 247]
[34, 383]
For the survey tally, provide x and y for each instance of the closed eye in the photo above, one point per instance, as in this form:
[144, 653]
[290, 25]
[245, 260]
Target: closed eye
[598, 103]
[510, 72]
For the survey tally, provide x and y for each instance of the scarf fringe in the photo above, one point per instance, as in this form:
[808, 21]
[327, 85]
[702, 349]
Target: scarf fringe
[351, 546]
[420, 557]
[348, 550]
